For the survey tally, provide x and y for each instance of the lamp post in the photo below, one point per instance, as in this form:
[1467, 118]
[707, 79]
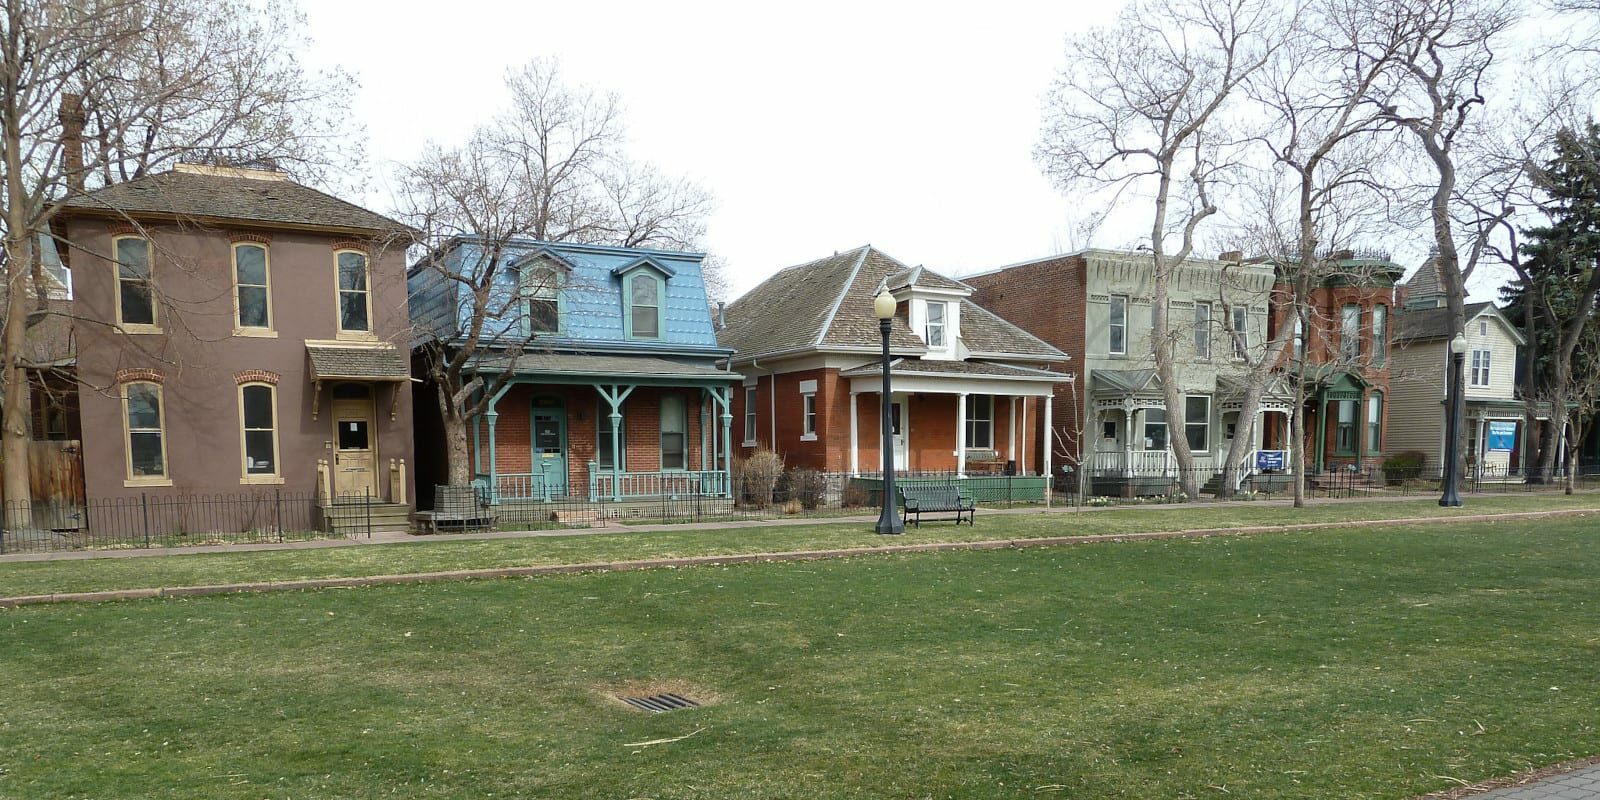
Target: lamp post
[888, 520]
[1455, 402]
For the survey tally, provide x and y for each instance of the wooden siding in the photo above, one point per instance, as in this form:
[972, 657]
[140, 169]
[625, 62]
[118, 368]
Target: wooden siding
[1416, 395]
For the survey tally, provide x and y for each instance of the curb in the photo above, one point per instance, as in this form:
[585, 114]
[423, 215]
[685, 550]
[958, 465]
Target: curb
[744, 558]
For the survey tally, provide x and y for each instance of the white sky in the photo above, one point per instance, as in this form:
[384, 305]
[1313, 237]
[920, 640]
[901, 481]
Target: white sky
[818, 127]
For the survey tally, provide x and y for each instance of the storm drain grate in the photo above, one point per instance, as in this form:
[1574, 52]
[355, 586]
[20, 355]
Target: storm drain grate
[658, 703]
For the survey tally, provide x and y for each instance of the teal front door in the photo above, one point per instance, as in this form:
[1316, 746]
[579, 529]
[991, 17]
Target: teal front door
[550, 445]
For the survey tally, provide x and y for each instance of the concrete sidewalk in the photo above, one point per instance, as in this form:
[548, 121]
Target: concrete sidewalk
[1580, 784]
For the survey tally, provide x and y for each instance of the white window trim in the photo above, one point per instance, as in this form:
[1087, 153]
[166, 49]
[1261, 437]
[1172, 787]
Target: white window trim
[751, 423]
[1111, 323]
[973, 417]
[154, 326]
[943, 325]
[1239, 336]
[165, 478]
[1187, 423]
[808, 417]
[338, 298]
[1349, 332]
[263, 331]
[246, 478]
[1473, 368]
[1202, 331]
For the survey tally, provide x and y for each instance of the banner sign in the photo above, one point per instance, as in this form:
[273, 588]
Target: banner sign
[1502, 436]
[1269, 459]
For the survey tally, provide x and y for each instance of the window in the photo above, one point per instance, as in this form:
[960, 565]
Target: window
[1202, 330]
[1483, 327]
[1299, 336]
[1197, 422]
[1480, 367]
[808, 416]
[674, 433]
[1380, 333]
[541, 304]
[259, 429]
[1345, 434]
[147, 444]
[251, 288]
[355, 304]
[935, 330]
[136, 306]
[1350, 332]
[750, 415]
[1155, 429]
[980, 421]
[644, 306]
[1375, 422]
[603, 452]
[1241, 333]
[1108, 429]
[1118, 328]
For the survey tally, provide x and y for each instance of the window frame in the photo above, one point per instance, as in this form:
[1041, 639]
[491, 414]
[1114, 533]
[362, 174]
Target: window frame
[548, 288]
[1166, 430]
[1374, 423]
[1350, 332]
[629, 306]
[1299, 336]
[662, 432]
[974, 419]
[602, 437]
[1117, 331]
[1340, 426]
[239, 328]
[808, 417]
[1486, 367]
[165, 476]
[154, 325]
[246, 477]
[1202, 330]
[1189, 424]
[751, 398]
[339, 292]
[1241, 332]
[1380, 333]
[929, 326]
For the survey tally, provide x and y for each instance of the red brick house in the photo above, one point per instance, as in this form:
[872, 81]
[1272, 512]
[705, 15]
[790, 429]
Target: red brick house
[969, 388]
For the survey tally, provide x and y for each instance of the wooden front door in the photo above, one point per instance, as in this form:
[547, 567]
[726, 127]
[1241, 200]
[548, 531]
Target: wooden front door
[355, 445]
[550, 445]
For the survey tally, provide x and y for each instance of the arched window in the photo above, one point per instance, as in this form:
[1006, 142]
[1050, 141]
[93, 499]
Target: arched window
[1380, 333]
[258, 431]
[136, 306]
[252, 295]
[644, 305]
[355, 299]
[144, 419]
[1375, 422]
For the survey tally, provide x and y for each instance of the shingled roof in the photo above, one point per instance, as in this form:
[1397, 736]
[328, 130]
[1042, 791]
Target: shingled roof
[827, 304]
[1417, 324]
[194, 192]
[1425, 289]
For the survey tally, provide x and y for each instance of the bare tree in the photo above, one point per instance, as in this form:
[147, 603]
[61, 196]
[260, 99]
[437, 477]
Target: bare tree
[150, 82]
[551, 167]
[1141, 107]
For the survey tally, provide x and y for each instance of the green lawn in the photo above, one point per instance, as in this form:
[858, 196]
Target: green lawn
[1371, 663]
[442, 553]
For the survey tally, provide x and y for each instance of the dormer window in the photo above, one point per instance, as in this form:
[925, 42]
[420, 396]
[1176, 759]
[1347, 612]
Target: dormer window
[935, 326]
[541, 301]
[644, 305]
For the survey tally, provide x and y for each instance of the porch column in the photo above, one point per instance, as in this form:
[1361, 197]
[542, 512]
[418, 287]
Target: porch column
[705, 457]
[1360, 424]
[1011, 431]
[477, 442]
[1049, 435]
[855, 445]
[615, 396]
[727, 437]
[1322, 433]
[1482, 446]
[961, 435]
[494, 497]
[1127, 439]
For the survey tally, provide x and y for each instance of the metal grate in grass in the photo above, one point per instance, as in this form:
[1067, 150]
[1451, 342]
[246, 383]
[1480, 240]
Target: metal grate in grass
[659, 703]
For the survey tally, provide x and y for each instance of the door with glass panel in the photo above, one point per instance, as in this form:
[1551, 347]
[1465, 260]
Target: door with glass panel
[550, 445]
[355, 452]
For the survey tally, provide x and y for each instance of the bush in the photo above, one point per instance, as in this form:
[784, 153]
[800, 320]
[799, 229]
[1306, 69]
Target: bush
[855, 495]
[757, 476]
[807, 486]
[1403, 466]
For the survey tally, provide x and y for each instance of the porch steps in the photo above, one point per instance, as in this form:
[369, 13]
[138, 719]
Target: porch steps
[350, 519]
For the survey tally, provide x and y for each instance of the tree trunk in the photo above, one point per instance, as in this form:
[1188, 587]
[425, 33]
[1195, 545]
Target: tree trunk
[458, 450]
[1297, 443]
[15, 430]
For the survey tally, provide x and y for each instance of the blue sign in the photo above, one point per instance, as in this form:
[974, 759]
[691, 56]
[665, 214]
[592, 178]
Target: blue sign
[1502, 437]
[1269, 459]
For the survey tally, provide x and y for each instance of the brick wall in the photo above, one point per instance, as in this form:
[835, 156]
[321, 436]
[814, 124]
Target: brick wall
[1049, 300]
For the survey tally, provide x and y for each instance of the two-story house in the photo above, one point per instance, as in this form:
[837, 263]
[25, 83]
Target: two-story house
[1096, 306]
[1493, 427]
[236, 332]
[602, 368]
[967, 386]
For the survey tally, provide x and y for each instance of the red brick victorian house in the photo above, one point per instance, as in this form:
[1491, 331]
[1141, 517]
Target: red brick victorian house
[969, 388]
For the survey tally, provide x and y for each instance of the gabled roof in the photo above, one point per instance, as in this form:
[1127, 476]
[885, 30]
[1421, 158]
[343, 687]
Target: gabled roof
[827, 305]
[193, 192]
[1422, 324]
[1425, 289]
[1123, 381]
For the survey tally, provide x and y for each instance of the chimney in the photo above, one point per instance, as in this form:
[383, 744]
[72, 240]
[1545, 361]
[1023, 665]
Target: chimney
[72, 120]
[722, 315]
[1233, 256]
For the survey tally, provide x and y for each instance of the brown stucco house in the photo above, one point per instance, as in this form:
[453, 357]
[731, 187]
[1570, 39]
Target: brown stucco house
[969, 388]
[238, 332]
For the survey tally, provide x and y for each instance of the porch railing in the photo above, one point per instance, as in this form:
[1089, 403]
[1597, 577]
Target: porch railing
[1140, 462]
[516, 486]
[605, 485]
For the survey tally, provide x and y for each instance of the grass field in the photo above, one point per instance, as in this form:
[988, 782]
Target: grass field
[442, 553]
[1345, 664]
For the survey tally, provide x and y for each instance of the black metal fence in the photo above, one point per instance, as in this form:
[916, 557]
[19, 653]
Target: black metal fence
[182, 520]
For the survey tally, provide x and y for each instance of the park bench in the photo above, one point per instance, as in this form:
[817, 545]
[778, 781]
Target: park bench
[945, 499]
[458, 508]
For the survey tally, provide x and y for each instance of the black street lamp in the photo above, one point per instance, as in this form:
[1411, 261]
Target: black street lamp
[1456, 403]
[888, 521]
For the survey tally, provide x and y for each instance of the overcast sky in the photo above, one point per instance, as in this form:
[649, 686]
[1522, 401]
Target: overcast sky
[818, 127]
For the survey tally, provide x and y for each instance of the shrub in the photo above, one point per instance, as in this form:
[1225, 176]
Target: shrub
[855, 495]
[1402, 466]
[792, 507]
[756, 476]
[807, 486]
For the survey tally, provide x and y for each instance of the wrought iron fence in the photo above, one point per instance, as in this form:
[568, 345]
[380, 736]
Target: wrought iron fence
[183, 520]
